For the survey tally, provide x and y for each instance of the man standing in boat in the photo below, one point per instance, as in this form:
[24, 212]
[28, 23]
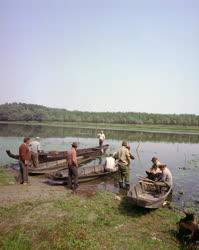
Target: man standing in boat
[101, 137]
[35, 148]
[124, 159]
[72, 167]
[24, 159]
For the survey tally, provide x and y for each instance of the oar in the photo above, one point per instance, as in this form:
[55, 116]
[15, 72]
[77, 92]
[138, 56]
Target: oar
[145, 179]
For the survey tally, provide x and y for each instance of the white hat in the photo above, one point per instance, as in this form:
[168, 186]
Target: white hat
[37, 138]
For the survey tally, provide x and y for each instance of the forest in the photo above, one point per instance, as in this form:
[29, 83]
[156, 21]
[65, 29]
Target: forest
[33, 112]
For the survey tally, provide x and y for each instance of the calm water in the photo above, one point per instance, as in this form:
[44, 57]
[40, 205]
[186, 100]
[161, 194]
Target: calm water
[177, 151]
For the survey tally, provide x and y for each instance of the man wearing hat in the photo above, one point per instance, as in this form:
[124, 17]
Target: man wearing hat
[154, 173]
[35, 148]
[124, 158]
[72, 167]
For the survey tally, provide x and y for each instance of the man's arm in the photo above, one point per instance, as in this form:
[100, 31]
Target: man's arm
[39, 147]
[128, 156]
[74, 158]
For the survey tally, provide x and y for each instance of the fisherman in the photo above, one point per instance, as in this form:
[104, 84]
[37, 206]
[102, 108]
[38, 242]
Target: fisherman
[24, 159]
[35, 148]
[154, 173]
[101, 137]
[166, 175]
[72, 167]
[123, 156]
[110, 163]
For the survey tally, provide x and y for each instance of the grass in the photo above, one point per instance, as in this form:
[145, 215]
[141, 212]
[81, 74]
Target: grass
[101, 222]
[125, 127]
[6, 178]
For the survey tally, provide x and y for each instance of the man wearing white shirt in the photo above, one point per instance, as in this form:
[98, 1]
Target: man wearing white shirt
[35, 148]
[110, 164]
[166, 175]
[101, 137]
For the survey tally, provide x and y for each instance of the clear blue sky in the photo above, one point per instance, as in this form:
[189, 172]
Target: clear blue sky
[104, 55]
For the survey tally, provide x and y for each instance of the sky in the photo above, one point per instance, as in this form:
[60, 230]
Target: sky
[103, 55]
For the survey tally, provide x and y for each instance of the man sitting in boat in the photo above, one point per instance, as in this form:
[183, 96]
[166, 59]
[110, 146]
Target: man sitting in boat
[154, 173]
[166, 179]
[110, 163]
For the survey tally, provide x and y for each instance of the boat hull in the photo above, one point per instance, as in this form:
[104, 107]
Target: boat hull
[60, 155]
[85, 174]
[147, 195]
[51, 167]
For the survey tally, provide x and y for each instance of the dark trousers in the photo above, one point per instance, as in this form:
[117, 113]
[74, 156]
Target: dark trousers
[73, 177]
[23, 172]
[100, 143]
[124, 174]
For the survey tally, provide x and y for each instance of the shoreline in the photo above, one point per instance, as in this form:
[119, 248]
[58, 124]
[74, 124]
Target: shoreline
[186, 130]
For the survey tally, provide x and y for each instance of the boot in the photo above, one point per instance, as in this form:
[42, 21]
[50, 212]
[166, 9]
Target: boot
[121, 184]
[127, 185]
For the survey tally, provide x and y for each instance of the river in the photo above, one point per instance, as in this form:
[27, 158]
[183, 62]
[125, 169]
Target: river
[179, 151]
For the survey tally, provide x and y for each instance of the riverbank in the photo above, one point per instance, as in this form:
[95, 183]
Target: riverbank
[39, 216]
[167, 129]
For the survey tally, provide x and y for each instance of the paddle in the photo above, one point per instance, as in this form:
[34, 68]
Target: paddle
[146, 179]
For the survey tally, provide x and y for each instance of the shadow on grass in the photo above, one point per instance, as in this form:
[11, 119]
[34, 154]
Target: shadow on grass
[127, 208]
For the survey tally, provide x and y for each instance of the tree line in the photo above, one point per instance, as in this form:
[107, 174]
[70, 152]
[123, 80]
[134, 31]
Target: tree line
[32, 112]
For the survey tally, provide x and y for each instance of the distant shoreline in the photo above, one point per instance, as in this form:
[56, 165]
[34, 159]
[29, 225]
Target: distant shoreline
[164, 129]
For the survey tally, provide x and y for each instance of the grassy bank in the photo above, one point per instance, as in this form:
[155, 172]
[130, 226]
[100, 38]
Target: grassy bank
[155, 128]
[81, 223]
[53, 218]
[5, 177]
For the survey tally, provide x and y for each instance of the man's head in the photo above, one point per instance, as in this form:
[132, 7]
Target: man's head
[37, 138]
[26, 140]
[102, 132]
[154, 159]
[74, 144]
[124, 143]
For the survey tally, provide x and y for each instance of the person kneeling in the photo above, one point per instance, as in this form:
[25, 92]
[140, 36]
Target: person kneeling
[110, 164]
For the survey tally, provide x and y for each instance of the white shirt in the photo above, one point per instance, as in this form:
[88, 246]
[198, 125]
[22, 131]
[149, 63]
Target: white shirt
[110, 164]
[101, 136]
[35, 146]
[167, 177]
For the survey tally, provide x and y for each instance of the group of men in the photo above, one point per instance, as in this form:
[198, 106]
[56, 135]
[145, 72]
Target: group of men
[120, 160]
[158, 172]
[29, 155]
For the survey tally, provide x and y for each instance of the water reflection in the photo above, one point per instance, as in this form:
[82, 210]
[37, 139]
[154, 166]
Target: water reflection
[49, 131]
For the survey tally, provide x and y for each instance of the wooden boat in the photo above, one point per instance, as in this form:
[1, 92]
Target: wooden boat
[60, 155]
[86, 174]
[54, 166]
[147, 194]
